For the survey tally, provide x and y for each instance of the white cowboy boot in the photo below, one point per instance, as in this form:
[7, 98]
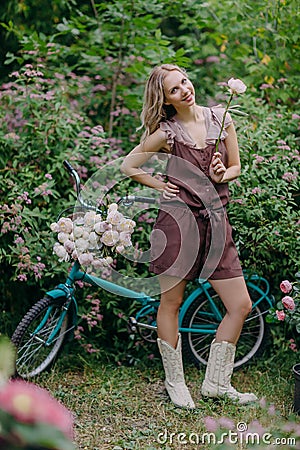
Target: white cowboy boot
[174, 382]
[218, 374]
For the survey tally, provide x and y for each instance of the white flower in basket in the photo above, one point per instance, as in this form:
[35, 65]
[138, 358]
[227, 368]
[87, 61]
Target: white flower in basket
[93, 239]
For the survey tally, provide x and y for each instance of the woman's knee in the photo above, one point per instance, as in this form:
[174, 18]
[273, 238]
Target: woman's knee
[240, 308]
[172, 303]
[245, 306]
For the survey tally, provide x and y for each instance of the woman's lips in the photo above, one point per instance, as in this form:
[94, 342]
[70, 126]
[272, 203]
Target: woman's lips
[188, 98]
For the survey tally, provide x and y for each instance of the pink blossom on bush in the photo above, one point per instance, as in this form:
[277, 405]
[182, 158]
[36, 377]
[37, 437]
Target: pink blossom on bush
[293, 345]
[266, 86]
[212, 59]
[280, 315]
[22, 277]
[256, 190]
[290, 176]
[288, 303]
[259, 158]
[286, 286]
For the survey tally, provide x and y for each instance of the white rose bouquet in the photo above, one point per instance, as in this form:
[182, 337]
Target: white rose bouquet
[94, 238]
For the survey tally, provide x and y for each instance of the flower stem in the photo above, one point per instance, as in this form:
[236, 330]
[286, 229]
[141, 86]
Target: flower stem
[223, 122]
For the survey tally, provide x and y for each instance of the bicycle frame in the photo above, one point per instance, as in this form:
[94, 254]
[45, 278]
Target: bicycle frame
[66, 290]
[149, 304]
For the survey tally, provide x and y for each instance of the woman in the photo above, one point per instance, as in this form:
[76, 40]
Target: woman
[193, 205]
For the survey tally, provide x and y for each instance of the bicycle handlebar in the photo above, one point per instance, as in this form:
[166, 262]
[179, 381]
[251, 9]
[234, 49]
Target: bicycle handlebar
[127, 200]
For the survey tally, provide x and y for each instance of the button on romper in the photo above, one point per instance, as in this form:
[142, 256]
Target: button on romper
[192, 236]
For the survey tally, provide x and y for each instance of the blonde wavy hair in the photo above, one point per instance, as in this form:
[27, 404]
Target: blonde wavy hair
[154, 108]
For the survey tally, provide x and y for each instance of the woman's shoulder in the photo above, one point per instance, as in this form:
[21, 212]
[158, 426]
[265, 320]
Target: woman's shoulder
[155, 142]
[218, 112]
[169, 128]
[215, 123]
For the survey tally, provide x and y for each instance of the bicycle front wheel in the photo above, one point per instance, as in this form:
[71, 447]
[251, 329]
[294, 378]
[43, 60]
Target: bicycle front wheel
[252, 341]
[35, 351]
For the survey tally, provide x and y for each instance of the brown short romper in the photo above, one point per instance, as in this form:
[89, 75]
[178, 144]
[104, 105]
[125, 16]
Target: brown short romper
[192, 236]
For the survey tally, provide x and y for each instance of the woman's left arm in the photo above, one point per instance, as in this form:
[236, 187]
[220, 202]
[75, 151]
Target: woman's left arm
[218, 172]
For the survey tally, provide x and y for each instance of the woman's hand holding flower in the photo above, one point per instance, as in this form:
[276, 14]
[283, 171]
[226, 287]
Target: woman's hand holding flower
[217, 168]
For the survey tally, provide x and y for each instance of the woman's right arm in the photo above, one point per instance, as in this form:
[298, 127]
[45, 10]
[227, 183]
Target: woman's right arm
[132, 163]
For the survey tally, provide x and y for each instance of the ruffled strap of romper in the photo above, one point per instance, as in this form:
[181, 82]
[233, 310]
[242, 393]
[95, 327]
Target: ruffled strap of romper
[217, 113]
[170, 132]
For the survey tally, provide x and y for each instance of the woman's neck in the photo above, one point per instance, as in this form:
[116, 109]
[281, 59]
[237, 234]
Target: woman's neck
[188, 115]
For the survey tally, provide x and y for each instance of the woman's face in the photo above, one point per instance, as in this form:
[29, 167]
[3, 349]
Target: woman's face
[179, 91]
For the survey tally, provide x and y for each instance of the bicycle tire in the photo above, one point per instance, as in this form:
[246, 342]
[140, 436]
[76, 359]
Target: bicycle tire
[33, 357]
[252, 342]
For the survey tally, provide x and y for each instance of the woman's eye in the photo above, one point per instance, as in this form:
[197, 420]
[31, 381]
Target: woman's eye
[173, 90]
[184, 81]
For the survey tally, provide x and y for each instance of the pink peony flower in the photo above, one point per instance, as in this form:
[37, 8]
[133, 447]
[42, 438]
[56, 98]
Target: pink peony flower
[236, 86]
[31, 404]
[69, 246]
[126, 225]
[114, 217]
[65, 225]
[77, 232]
[125, 239]
[280, 315]
[113, 207]
[101, 227]
[89, 219]
[85, 259]
[61, 252]
[286, 286]
[288, 303]
[81, 245]
[110, 238]
[63, 237]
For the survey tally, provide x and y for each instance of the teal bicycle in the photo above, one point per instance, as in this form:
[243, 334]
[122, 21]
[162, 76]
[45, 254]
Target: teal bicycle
[43, 330]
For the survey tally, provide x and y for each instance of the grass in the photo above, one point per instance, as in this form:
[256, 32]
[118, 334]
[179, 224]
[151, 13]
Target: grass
[118, 407]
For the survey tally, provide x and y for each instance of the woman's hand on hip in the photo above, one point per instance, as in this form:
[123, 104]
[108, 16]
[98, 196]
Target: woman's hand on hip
[169, 191]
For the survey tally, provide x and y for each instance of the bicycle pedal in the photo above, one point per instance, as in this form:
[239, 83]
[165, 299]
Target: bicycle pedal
[132, 323]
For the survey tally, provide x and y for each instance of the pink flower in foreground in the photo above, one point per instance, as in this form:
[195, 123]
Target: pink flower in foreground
[280, 315]
[31, 404]
[286, 286]
[288, 303]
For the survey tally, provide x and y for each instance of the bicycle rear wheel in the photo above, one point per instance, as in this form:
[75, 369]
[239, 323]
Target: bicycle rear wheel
[34, 353]
[252, 341]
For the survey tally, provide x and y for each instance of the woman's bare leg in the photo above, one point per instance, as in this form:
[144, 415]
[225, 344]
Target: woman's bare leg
[217, 381]
[172, 291]
[234, 294]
